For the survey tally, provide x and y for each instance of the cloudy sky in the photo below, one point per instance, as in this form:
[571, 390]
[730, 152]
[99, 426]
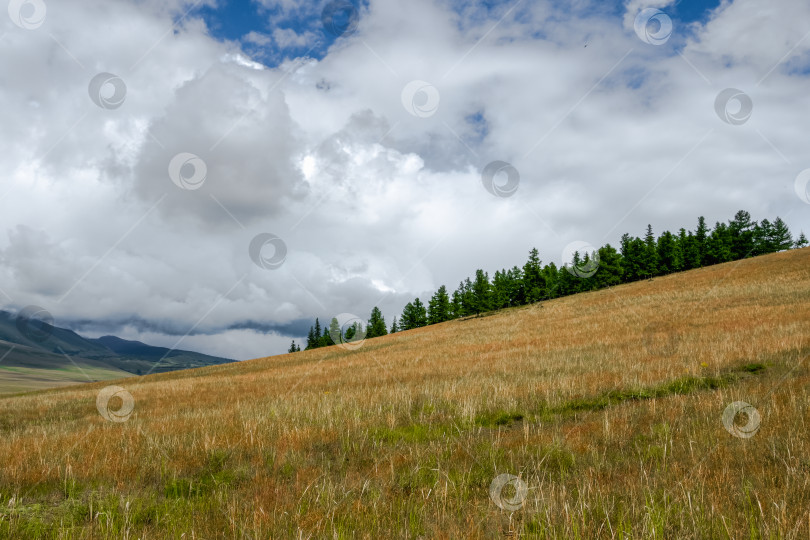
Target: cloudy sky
[148, 144]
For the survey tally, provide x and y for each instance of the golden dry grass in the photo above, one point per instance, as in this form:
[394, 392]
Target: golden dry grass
[607, 405]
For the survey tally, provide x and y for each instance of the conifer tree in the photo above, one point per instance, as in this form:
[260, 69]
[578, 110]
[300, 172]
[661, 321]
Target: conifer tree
[680, 249]
[481, 292]
[718, 246]
[517, 293]
[312, 341]
[701, 237]
[457, 302]
[550, 279]
[407, 319]
[376, 324]
[650, 260]
[467, 302]
[741, 229]
[610, 267]
[781, 238]
[632, 250]
[439, 306]
[350, 332]
[763, 238]
[413, 316]
[533, 283]
[692, 257]
[506, 288]
[668, 259]
[292, 348]
[801, 241]
[420, 313]
[394, 327]
[334, 330]
[566, 281]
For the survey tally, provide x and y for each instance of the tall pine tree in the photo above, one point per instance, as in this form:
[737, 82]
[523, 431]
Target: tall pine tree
[610, 267]
[650, 257]
[534, 285]
[481, 292]
[413, 315]
[741, 229]
[312, 341]
[781, 239]
[668, 256]
[376, 324]
[718, 246]
[702, 233]
[439, 306]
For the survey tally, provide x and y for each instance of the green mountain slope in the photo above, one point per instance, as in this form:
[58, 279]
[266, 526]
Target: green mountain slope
[59, 357]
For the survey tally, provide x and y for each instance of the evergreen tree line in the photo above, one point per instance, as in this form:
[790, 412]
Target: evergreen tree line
[323, 337]
[636, 259]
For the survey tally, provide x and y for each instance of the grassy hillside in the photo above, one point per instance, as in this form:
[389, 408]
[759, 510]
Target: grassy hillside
[607, 405]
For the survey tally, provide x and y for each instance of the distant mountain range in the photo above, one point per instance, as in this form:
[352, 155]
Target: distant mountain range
[37, 355]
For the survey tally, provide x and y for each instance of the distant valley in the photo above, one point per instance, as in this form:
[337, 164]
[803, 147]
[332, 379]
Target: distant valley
[57, 356]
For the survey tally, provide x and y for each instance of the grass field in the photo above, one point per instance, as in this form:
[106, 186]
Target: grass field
[608, 406]
[18, 379]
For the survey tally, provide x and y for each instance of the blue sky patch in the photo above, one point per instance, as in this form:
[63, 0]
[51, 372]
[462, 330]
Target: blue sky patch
[271, 34]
